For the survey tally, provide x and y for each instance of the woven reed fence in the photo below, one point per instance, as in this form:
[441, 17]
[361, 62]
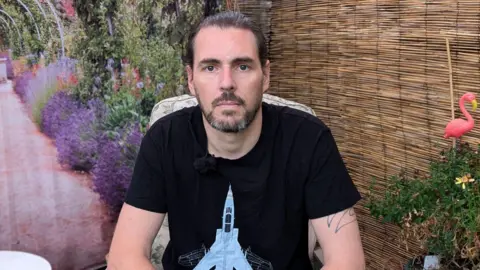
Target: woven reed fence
[377, 73]
[259, 10]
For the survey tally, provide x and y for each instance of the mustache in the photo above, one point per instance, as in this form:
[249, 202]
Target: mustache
[228, 96]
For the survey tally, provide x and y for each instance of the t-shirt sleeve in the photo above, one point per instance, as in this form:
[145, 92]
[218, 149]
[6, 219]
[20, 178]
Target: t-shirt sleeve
[329, 188]
[147, 187]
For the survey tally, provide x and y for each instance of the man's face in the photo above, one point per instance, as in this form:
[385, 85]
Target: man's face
[227, 77]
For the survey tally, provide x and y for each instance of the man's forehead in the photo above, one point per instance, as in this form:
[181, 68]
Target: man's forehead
[225, 43]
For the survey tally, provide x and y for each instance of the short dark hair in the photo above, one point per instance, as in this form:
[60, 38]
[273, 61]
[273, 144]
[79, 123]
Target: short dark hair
[225, 20]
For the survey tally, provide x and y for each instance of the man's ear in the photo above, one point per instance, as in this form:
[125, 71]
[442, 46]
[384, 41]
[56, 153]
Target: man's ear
[189, 70]
[266, 76]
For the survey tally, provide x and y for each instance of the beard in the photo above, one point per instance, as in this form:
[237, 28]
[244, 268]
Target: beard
[229, 126]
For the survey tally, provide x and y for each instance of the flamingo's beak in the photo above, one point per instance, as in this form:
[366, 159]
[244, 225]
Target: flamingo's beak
[474, 104]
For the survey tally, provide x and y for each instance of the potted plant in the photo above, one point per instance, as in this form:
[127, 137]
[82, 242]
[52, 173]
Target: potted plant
[440, 210]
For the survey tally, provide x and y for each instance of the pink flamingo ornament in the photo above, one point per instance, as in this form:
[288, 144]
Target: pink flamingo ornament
[458, 127]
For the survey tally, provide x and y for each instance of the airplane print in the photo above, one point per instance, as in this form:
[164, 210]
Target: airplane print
[226, 252]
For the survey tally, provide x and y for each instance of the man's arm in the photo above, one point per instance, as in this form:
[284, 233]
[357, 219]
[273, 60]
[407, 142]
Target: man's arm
[339, 238]
[133, 238]
[144, 209]
[330, 196]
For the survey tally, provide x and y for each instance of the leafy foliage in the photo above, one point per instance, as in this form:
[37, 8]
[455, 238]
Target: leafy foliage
[29, 41]
[147, 48]
[435, 209]
[123, 109]
[179, 20]
[96, 42]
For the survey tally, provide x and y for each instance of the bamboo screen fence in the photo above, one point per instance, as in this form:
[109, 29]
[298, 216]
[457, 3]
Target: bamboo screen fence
[376, 71]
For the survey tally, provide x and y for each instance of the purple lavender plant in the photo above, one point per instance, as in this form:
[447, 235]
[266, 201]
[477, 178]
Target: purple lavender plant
[98, 107]
[113, 171]
[21, 84]
[78, 139]
[56, 113]
[42, 86]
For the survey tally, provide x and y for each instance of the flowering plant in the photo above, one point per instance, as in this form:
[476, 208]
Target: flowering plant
[57, 112]
[130, 80]
[79, 137]
[441, 210]
[45, 82]
[113, 171]
[21, 83]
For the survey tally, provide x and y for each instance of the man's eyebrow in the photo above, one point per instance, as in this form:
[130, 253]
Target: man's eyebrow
[207, 61]
[243, 60]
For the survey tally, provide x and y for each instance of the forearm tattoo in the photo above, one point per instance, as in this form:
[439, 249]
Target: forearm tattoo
[342, 219]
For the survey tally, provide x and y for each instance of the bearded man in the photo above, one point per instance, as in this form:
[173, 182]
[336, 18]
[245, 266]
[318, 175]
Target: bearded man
[239, 178]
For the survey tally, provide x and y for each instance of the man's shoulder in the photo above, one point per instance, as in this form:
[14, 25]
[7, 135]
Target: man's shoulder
[172, 123]
[295, 118]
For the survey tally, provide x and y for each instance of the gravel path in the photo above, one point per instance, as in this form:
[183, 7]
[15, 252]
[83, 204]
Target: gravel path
[45, 209]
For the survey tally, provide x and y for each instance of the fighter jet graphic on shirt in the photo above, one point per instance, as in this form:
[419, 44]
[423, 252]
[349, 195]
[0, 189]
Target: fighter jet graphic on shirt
[226, 252]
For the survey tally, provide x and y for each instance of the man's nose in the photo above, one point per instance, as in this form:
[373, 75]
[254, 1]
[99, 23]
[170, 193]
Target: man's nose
[227, 81]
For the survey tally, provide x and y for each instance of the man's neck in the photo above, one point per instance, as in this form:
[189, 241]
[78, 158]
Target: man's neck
[233, 145]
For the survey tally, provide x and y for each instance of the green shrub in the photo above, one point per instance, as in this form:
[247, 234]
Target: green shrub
[123, 109]
[441, 210]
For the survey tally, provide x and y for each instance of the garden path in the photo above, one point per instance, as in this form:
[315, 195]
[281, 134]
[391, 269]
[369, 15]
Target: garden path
[45, 209]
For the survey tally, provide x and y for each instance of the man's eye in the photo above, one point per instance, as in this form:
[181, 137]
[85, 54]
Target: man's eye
[210, 68]
[243, 67]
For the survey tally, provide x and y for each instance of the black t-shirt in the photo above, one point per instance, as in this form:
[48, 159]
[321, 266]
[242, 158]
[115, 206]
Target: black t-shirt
[293, 174]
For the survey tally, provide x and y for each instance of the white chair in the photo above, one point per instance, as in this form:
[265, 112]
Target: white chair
[19, 260]
[172, 104]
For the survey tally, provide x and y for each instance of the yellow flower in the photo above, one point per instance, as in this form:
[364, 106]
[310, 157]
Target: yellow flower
[464, 180]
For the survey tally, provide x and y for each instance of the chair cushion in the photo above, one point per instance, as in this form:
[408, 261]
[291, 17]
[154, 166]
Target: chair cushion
[172, 104]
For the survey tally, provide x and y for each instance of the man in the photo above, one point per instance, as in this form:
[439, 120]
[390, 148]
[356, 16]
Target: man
[239, 179]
